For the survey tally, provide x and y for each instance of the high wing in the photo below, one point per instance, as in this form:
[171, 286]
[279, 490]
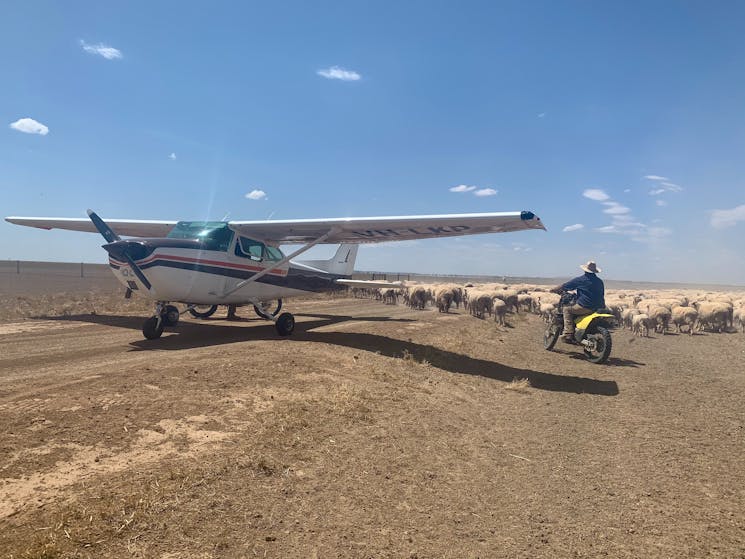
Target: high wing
[385, 229]
[334, 231]
[126, 227]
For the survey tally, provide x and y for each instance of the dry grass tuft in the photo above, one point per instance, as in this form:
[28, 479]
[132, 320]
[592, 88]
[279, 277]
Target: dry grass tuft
[521, 385]
[409, 358]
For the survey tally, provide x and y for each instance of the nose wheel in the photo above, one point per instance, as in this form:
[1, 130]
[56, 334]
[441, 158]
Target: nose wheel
[152, 328]
[165, 315]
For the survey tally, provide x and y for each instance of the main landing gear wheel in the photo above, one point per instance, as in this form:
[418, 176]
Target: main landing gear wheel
[202, 311]
[265, 311]
[285, 324]
[170, 316]
[153, 328]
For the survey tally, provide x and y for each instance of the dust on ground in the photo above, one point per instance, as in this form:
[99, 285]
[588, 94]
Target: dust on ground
[373, 431]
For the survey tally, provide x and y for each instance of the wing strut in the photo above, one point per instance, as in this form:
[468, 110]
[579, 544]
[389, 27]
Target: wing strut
[286, 259]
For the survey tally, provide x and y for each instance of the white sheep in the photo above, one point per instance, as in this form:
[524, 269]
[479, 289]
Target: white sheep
[627, 315]
[661, 317]
[641, 324]
[444, 299]
[713, 315]
[547, 311]
[684, 316]
[739, 318]
[500, 310]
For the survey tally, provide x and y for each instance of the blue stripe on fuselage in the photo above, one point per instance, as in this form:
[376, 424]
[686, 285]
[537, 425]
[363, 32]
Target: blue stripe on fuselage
[296, 278]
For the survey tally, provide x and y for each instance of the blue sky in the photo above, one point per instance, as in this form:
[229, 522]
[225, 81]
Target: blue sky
[624, 118]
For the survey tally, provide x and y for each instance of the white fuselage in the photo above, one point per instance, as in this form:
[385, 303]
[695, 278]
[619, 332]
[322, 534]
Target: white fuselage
[208, 276]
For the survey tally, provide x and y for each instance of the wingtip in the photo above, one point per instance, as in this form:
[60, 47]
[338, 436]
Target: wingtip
[89, 212]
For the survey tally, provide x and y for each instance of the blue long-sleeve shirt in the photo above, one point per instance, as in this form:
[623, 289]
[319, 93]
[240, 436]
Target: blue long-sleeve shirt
[590, 290]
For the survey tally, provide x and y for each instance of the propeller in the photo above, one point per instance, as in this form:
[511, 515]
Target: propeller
[118, 248]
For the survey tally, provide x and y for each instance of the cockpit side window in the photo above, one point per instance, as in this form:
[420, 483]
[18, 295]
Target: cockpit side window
[248, 248]
[273, 253]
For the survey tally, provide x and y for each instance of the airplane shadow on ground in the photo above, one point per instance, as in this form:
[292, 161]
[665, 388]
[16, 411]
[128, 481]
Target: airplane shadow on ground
[193, 334]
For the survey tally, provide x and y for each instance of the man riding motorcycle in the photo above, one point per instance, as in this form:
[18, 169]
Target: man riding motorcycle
[590, 297]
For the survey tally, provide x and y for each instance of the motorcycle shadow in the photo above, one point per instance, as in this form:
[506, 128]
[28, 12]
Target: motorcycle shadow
[612, 361]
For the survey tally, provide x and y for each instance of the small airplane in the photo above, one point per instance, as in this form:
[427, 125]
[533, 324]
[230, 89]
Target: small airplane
[208, 263]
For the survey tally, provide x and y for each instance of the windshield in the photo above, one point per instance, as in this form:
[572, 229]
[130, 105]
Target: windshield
[214, 234]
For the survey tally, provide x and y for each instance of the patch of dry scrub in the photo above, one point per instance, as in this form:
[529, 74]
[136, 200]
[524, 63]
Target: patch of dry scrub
[71, 304]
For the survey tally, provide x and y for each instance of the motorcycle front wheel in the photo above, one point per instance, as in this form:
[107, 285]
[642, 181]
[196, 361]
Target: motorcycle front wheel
[551, 335]
[600, 351]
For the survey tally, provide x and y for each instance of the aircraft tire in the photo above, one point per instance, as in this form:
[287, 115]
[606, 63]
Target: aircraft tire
[285, 324]
[202, 314]
[170, 316]
[151, 328]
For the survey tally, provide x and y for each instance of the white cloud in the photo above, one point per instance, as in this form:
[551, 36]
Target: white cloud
[665, 186]
[256, 195]
[462, 188]
[575, 227]
[727, 218]
[109, 53]
[622, 220]
[336, 73]
[614, 208]
[626, 190]
[541, 115]
[172, 157]
[671, 186]
[29, 126]
[595, 194]
[485, 192]
[656, 178]
[661, 203]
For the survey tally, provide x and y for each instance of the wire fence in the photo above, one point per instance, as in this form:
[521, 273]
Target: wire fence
[19, 277]
[67, 269]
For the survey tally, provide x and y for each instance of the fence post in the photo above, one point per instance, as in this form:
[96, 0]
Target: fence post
[18, 266]
[81, 269]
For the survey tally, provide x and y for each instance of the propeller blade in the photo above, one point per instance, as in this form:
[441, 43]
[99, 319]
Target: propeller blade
[137, 271]
[104, 229]
[111, 237]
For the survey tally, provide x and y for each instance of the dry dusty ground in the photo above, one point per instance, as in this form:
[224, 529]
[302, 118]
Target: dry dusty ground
[374, 431]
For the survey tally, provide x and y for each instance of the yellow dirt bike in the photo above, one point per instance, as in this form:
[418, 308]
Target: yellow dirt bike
[591, 331]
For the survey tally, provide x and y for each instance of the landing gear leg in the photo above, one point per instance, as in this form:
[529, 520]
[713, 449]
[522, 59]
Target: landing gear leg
[266, 310]
[152, 328]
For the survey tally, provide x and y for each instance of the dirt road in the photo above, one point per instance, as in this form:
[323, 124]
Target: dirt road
[374, 431]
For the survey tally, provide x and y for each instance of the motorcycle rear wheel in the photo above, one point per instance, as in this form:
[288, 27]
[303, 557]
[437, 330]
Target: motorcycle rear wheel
[603, 345]
[551, 335]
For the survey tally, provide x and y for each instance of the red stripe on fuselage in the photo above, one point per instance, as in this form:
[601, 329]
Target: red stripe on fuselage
[217, 263]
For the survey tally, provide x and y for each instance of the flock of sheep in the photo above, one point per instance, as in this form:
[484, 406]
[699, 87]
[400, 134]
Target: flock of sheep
[642, 312]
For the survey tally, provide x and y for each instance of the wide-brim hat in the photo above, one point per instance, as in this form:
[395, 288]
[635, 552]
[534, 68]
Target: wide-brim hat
[590, 267]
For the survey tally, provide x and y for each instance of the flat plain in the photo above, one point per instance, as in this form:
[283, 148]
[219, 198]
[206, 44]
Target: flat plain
[373, 431]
